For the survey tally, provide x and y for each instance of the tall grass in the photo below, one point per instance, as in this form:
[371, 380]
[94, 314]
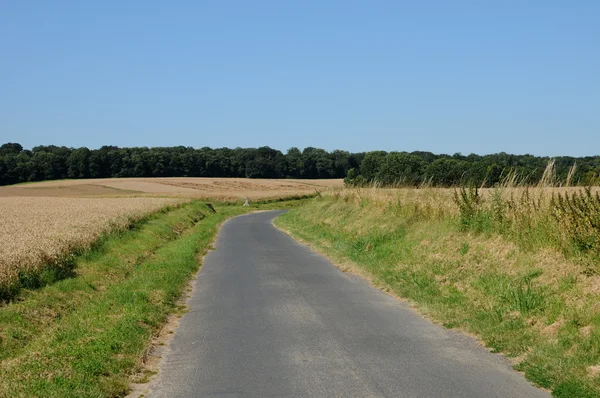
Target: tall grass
[566, 219]
[563, 218]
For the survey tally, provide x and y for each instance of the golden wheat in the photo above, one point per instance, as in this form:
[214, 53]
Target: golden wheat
[37, 230]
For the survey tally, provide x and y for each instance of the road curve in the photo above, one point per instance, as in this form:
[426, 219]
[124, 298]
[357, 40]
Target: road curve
[270, 318]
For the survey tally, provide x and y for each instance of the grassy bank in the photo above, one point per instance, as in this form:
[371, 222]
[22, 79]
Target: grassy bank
[84, 336]
[533, 299]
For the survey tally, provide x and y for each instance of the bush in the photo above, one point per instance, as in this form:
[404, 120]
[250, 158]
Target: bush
[353, 179]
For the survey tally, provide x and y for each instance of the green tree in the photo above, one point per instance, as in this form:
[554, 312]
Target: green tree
[371, 164]
[294, 163]
[78, 163]
[401, 168]
[10, 148]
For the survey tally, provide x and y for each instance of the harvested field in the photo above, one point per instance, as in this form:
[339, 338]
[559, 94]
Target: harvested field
[37, 231]
[229, 189]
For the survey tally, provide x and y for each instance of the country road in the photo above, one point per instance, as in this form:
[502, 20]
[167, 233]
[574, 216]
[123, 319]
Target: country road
[270, 318]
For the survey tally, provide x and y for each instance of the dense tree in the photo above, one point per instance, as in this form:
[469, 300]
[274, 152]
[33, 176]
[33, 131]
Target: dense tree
[401, 168]
[56, 162]
[78, 163]
[53, 162]
[266, 163]
[10, 148]
[447, 172]
[294, 163]
[444, 170]
[371, 164]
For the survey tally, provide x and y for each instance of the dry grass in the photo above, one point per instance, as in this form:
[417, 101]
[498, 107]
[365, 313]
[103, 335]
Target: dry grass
[226, 189]
[566, 219]
[37, 231]
[440, 200]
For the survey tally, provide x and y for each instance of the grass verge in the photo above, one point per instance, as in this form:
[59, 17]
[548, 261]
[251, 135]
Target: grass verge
[536, 306]
[84, 336]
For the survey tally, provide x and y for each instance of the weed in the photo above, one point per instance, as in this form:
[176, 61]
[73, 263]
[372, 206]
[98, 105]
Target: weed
[467, 200]
[579, 215]
[523, 296]
[464, 249]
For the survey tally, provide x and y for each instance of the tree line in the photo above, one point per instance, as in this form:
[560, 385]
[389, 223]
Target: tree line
[416, 168]
[385, 168]
[58, 162]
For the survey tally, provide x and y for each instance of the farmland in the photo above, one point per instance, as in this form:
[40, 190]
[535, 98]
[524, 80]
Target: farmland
[224, 189]
[44, 223]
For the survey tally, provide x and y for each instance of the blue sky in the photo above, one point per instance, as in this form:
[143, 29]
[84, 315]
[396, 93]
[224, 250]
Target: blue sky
[440, 76]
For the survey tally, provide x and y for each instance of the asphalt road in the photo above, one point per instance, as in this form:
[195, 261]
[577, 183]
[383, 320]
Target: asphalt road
[271, 318]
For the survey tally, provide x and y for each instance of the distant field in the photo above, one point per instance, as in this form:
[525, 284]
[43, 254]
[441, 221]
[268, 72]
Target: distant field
[189, 187]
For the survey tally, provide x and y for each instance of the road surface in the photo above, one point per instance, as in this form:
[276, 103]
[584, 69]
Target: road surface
[270, 318]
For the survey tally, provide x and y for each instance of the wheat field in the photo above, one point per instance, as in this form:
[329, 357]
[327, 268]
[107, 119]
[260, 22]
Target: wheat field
[224, 189]
[35, 231]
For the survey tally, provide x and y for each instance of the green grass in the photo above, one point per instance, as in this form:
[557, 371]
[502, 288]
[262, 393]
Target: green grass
[84, 336]
[517, 300]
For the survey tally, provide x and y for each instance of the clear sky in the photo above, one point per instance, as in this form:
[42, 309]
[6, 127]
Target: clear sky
[520, 76]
